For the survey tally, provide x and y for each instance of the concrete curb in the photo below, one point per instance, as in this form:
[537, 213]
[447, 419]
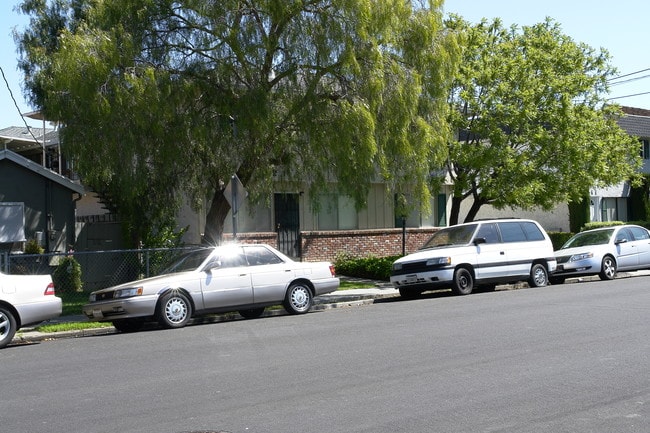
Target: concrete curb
[340, 299]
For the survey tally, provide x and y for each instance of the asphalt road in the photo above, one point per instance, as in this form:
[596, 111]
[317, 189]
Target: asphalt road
[570, 358]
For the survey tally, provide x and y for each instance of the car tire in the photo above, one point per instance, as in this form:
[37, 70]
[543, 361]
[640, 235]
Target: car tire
[8, 327]
[407, 293]
[463, 283]
[607, 268]
[128, 325]
[298, 299]
[538, 276]
[253, 313]
[174, 310]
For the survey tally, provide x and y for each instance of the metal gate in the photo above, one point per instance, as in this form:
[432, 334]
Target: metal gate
[287, 223]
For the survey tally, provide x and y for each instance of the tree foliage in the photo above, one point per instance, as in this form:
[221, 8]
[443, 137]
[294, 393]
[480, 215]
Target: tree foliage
[162, 100]
[534, 129]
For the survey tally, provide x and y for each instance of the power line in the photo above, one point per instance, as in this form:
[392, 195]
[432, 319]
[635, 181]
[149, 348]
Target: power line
[629, 96]
[11, 94]
[627, 75]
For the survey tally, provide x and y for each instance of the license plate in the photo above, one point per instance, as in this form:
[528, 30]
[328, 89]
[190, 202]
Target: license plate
[411, 279]
[97, 314]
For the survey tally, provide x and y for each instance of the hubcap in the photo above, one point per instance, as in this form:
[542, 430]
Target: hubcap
[176, 310]
[300, 298]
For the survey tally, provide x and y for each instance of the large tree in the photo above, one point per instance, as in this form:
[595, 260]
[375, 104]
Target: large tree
[533, 125]
[163, 99]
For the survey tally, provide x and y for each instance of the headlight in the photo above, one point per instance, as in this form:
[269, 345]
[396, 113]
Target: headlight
[397, 266]
[92, 297]
[127, 293]
[576, 257]
[439, 261]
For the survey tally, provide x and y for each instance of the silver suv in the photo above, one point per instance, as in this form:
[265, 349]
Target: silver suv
[477, 254]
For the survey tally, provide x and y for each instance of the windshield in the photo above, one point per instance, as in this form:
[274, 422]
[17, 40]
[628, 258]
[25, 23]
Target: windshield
[189, 261]
[456, 235]
[599, 237]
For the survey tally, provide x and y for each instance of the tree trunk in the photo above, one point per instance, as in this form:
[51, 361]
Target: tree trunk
[473, 210]
[215, 219]
[455, 210]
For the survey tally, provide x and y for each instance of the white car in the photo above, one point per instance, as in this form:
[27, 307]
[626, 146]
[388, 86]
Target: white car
[480, 253]
[603, 252]
[243, 278]
[25, 300]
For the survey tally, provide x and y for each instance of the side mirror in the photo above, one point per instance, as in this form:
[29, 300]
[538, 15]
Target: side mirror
[478, 241]
[621, 241]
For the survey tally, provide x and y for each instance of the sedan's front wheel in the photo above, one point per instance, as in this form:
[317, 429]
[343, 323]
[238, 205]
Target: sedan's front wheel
[8, 327]
[298, 299]
[174, 310]
[608, 268]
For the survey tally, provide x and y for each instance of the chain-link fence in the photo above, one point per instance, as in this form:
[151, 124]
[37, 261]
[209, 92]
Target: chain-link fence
[99, 269]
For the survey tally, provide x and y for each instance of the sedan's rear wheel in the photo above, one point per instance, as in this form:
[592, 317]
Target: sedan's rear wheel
[538, 276]
[463, 283]
[174, 310]
[253, 313]
[298, 299]
[608, 268]
[8, 327]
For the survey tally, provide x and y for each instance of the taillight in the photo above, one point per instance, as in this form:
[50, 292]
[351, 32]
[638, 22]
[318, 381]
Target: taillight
[49, 290]
[332, 270]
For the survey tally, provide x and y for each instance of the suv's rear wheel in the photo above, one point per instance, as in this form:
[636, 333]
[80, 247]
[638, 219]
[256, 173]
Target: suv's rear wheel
[463, 283]
[538, 276]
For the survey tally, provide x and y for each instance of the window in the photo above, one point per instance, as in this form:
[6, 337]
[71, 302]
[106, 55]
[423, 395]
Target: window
[532, 232]
[639, 233]
[12, 216]
[337, 213]
[512, 232]
[258, 255]
[613, 209]
[489, 233]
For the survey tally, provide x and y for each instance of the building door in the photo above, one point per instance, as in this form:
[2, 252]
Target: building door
[287, 223]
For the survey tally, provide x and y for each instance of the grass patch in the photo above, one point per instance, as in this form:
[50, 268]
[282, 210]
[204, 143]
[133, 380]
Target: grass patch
[349, 285]
[72, 326]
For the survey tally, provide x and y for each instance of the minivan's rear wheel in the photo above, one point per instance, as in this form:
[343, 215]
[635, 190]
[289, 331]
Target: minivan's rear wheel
[463, 283]
[608, 268]
[538, 276]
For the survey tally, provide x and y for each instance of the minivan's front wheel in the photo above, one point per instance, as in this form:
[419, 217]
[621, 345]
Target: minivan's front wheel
[463, 283]
[538, 276]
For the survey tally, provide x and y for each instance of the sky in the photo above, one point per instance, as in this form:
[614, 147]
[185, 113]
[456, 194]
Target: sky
[622, 28]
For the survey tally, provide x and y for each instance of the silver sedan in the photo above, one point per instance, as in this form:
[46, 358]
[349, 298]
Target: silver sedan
[603, 252]
[243, 278]
[25, 300]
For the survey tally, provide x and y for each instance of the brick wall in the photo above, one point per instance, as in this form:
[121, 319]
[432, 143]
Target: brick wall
[326, 245]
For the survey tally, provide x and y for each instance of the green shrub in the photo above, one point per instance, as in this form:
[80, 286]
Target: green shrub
[32, 247]
[371, 267]
[559, 238]
[67, 276]
[600, 224]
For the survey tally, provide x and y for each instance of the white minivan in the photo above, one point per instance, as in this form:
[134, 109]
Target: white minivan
[477, 254]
